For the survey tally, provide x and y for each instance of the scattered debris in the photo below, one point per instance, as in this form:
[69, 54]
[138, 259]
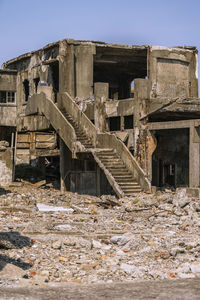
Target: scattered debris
[65, 237]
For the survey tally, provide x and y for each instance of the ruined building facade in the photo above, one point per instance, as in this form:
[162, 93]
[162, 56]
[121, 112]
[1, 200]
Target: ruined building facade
[120, 118]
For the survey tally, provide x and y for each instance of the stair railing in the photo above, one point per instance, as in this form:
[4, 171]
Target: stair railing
[66, 102]
[104, 140]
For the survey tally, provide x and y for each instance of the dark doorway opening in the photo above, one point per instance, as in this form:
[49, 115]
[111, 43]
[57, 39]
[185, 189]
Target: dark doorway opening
[36, 82]
[170, 160]
[114, 123]
[55, 78]
[26, 89]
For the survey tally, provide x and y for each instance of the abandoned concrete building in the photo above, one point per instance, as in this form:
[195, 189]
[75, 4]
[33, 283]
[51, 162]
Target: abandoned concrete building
[118, 118]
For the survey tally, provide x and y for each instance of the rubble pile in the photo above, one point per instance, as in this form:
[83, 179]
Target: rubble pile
[49, 237]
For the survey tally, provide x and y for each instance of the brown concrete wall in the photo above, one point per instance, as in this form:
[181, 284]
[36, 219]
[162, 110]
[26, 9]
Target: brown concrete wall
[7, 81]
[172, 72]
[84, 70]
[8, 113]
[7, 110]
[5, 164]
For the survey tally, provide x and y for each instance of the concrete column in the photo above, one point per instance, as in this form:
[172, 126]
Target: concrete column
[65, 166]
[151, 147]
[122, 123]
[98, 181]
[101, 91]
[141, 96]
[66, 68]
[84, 70]
[194, 160]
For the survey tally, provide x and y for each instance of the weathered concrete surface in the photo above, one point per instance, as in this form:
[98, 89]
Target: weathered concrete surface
[162, 290]
[5, 163]
[160, 83]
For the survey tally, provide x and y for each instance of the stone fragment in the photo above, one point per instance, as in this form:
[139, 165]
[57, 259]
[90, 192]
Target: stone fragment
[195, 267]
[57, 244]
[45, 208]
[119, 239]
[63, 227]
[71, 241]
[96, 244]
[180, 198]
[131, 269]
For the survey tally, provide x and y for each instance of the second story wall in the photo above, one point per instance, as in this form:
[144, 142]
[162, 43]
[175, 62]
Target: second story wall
[172, 72]
[7, 98]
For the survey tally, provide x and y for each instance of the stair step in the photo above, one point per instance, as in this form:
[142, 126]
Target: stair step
[106, 153]
[107, 159]
[130, 188]
[131, 193]
[134, 184]
[127, 190]
[117, 172]
[118, 169]
[126, 178]
[110, 159]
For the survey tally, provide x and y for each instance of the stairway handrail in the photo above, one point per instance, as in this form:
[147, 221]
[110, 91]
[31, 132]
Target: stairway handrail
[40, 103]
[66, 101]
[105, 140]
[109, 140]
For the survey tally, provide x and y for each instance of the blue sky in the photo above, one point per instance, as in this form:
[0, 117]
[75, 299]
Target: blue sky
[27, 25]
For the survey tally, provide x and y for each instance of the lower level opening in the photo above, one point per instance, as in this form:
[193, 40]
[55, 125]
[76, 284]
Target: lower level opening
[170, 160]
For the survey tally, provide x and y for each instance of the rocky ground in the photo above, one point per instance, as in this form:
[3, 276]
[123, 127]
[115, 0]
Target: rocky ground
[50, 238]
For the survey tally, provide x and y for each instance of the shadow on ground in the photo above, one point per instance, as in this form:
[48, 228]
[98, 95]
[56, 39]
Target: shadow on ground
[4, 191]
[13, 240]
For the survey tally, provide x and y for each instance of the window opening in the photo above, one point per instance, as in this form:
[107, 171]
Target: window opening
[26, 89]
[115, 123]
[36, 82]
[7, 97]
[128, 122]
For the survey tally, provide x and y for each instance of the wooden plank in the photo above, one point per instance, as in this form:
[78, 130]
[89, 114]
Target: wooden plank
[23, 138]
[22, 151]
[45, 145]
[45, 138]
[23, 145]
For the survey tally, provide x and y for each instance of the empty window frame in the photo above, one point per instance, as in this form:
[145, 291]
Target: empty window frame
[36, 82]
[128, 122]
[7, 97]
[26, 89]
[115, 123]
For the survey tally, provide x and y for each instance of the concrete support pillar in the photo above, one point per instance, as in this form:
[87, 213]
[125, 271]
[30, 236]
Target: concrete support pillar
[98, 181]
[84, 70]
[194, 159]
[66, 68]
[151, 147]
[65, 166]
[101, 91]
[141, 96]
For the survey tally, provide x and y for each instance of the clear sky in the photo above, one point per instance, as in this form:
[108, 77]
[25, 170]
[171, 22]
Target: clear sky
[27, 25]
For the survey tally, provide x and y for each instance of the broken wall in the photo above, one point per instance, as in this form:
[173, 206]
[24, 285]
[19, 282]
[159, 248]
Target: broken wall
[172, 72]
[8, 109]
[170, 161]
[6, 166]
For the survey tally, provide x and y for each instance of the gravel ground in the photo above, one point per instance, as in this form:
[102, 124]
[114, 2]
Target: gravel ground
[49, 238]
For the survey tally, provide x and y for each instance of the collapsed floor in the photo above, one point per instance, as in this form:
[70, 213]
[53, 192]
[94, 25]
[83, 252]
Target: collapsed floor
[48, 237]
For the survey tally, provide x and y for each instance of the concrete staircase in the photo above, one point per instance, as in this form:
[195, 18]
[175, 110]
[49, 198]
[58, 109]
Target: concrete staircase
[80, 135]
[108, 160]
[115, 166]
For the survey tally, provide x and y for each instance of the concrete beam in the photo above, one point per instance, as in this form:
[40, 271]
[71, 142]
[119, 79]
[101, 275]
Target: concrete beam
[173, 124]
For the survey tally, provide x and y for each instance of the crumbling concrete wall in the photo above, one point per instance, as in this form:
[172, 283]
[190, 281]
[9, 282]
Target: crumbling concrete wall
[8, 111]
[172, 72]
[6, 166]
